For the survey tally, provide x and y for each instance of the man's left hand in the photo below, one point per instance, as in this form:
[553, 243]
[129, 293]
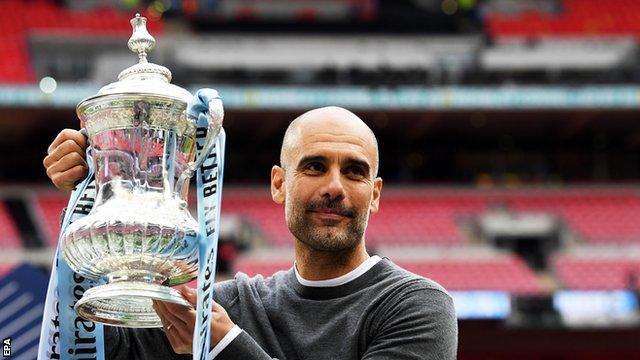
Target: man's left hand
[178, 321]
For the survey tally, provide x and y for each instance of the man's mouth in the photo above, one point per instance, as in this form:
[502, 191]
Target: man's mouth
[329, 214]
[330, 210]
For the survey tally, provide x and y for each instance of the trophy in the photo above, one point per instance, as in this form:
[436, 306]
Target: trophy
[139, 236]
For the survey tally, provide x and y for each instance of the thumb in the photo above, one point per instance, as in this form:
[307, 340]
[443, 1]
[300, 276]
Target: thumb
[189, 294]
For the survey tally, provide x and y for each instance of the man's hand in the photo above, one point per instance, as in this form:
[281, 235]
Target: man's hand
[65, 162]
[178, 321]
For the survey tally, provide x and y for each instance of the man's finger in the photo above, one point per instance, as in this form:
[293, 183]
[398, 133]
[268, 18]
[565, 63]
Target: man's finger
[181, 311]
[179, 334]
[65, 148]
[189, 294]
[164, 322]
[66, 134]
[173, 315]
[177, 340]
[65, 181]
[67, 162]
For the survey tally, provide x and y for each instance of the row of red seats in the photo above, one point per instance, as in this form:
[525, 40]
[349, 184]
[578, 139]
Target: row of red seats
[595, 218]
[508, 273]
[598, 273]
[433, 218]
[578, 18]
[20, 18]
[504, 273]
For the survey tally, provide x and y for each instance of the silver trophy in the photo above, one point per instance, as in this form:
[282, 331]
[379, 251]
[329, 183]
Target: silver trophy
[139, 236]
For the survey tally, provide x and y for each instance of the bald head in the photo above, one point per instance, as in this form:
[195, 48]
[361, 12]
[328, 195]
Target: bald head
[331, 119]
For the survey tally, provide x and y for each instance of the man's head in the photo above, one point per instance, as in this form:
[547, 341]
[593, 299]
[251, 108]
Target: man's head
[327, 178]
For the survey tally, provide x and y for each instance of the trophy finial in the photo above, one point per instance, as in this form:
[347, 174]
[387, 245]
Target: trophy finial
[141, 41]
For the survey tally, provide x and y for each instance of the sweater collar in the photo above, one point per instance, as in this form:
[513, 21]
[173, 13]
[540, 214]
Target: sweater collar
[352, 285]
[340, 280]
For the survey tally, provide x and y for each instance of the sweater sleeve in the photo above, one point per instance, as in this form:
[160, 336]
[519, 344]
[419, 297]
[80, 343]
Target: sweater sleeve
[421, 325]
[243, 347]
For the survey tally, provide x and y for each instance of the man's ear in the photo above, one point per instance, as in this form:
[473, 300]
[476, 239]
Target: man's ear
[375, 201]
[277, 184]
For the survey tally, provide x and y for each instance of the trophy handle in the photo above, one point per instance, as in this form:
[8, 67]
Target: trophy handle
[215, 114]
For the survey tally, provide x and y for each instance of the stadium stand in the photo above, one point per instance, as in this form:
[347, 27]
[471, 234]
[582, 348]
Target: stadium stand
[9, 234]
[574, 18]
[315, 52]
[558, 55]
[506, 273]
[433, 217]
[263, 267]
[423, 219]
[598, 272]
[597, 218]
[20, 18]
[49, 209]
[497, 272]
[571, 165]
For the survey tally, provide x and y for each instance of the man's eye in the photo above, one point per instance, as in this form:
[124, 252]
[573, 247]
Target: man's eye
[314, 167]
[355, 171]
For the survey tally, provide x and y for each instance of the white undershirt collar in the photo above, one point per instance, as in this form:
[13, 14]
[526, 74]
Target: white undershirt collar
[340, 280]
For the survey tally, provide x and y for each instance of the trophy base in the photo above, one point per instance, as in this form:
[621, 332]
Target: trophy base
[126, 303]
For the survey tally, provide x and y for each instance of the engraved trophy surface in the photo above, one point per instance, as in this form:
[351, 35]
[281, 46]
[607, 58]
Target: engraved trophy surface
[139, 236]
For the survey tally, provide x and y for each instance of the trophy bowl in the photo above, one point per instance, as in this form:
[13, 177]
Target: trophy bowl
[139, 237]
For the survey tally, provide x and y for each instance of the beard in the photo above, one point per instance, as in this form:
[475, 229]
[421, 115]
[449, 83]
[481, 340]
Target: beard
[331, 238]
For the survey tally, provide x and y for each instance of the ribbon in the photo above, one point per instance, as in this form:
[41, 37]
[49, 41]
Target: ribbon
[209, 188]
[65, 335]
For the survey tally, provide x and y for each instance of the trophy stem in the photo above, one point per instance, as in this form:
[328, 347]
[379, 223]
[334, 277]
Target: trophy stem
[135, 275]
[127, 299]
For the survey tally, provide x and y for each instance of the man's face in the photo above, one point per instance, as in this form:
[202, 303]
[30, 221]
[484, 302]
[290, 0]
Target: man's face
[328, 186]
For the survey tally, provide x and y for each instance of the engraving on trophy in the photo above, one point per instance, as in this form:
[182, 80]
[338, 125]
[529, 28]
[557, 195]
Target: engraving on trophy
[139, 235]
[140, 112]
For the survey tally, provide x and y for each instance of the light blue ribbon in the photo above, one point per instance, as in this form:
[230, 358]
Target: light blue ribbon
[209, 188]
[64, 335]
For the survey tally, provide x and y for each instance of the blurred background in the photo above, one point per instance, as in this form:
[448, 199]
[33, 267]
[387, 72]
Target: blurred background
[508, 130]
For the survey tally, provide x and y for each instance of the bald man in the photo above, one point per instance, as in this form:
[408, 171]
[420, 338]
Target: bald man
[336, 302]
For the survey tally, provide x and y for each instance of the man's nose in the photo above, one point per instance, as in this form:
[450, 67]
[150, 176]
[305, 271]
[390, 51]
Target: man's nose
[333, 187]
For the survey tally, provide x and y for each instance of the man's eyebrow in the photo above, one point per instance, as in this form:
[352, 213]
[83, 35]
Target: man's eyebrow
[311, 158]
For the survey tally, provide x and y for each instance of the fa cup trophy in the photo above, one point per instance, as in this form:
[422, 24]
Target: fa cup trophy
[139, 236]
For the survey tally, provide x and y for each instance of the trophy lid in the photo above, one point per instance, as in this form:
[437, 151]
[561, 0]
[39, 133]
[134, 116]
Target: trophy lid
[144, 78]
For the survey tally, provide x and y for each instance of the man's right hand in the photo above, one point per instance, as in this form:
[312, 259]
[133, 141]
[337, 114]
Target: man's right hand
[65, 162]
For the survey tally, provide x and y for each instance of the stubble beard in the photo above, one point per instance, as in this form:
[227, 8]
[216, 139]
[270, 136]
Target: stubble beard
[326, 238]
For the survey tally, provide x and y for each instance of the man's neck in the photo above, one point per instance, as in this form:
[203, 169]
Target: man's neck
[322, 265]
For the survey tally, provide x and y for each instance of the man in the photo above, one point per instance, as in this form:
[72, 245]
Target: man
[337, 302]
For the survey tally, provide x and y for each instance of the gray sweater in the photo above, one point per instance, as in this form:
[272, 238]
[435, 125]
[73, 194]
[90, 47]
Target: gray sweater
[386, 313]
